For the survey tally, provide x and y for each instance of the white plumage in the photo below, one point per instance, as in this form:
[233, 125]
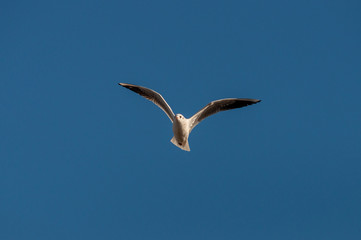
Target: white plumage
[182, 126]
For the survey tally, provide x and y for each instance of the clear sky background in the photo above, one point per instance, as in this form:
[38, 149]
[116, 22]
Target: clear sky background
[83, 158]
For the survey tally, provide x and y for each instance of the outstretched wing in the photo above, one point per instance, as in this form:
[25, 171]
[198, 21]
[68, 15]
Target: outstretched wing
[151, 95]
[218, 106]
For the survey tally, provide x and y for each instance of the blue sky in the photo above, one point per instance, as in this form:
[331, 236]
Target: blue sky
[83, 158]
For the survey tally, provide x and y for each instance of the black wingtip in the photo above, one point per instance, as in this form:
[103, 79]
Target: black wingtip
[126, 85]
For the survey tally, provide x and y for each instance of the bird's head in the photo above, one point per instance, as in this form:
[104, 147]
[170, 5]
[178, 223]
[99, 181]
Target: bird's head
[179, 117]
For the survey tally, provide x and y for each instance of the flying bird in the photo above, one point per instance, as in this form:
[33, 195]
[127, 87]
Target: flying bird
[182, 126]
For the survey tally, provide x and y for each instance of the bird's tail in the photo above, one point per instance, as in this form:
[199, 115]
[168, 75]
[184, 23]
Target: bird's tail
[184, 146]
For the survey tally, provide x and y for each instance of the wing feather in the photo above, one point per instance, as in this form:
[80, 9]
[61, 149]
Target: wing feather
[153, 96]
[218, 106]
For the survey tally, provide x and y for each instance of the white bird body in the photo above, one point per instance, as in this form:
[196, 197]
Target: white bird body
[182, 126]
[181, 131]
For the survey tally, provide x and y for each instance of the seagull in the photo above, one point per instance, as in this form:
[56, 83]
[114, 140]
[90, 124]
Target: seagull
[182, 126]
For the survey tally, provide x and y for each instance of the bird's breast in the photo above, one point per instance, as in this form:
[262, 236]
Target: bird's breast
[180, 130]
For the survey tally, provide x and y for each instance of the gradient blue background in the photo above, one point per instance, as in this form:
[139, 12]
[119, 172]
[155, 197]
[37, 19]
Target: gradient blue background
[83, 158]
